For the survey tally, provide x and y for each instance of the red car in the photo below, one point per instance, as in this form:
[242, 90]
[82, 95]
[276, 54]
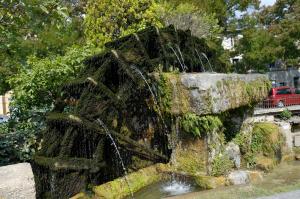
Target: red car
[283, 96]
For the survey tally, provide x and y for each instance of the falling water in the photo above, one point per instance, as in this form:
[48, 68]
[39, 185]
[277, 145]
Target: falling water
[118, 153]
[178, 48]
[152, 93]
[52, 182]
[200, 60]
[204, 55]
[182, 66]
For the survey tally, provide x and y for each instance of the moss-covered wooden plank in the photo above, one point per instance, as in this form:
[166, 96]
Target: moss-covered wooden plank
[77, 121]
[63, 163]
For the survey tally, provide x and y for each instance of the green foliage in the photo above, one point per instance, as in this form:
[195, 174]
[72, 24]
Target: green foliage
[221, 165]
[35, 27]
[259, 48]
[283, 20]
[186, 16]
[223, 10]
[107, 20]
[200, 125]
[18, 144]
[38, 85]
[270, 34]
[265, 139]
[285, 114]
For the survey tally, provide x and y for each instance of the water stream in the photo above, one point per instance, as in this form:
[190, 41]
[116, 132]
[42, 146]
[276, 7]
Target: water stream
[200, 60]
[204, 55]
[178, 48]
[181, 64]
[100, 122]
[151, 92]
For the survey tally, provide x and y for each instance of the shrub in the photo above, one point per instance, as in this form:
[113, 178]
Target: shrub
[221, 165]
[285, 115]
[18, 144]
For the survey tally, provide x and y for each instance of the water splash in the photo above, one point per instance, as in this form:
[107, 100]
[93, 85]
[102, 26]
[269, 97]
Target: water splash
[100, 122]
[200, 60]
[181, 64]
[176, 187]
[204, 55]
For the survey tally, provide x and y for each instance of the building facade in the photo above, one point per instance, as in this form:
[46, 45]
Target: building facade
[4, 103]
[289, 77]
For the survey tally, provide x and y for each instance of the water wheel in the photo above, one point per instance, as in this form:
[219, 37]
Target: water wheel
[115, 87]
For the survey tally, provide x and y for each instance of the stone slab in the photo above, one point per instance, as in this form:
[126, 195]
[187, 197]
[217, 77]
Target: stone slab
[213, 93]
[17, 182]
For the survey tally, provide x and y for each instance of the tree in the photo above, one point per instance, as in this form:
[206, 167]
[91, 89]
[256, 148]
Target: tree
[186, 16]
[34, 27]
[222, 9]
[283, 21]
[269, 35]
[110, 19]
[259, 48]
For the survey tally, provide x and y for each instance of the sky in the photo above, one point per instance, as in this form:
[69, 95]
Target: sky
[267, 2]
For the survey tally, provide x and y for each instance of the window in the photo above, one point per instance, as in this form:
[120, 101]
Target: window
[282, 84]
[283, 91]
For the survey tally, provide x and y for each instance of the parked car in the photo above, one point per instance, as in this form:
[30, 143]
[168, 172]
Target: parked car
[283, 96]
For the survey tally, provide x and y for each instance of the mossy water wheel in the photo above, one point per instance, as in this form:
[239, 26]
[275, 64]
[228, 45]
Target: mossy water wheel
[76, 150]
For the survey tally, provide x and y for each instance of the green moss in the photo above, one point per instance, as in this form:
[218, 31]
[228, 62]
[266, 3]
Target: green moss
[173, 97]
[164, 93]
[209, 182]
[248, 92]
[266, 138]
[264, 141]
[118, 188]
[190, 162]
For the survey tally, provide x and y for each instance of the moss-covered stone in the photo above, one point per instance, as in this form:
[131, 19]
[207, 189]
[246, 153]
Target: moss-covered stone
[209, 182]
[118, 188]
[207, 93]
[262, 147]
[190, 157]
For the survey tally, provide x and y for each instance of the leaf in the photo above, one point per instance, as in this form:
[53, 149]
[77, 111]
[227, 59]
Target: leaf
[44, 9]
